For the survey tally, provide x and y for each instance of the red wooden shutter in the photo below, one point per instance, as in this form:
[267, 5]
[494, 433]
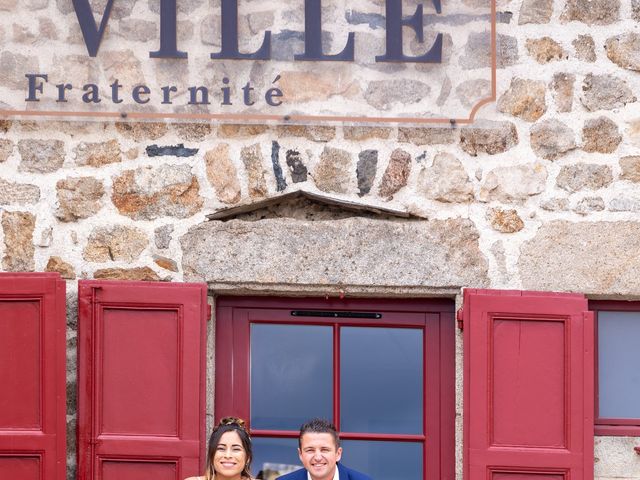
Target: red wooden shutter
[528, 406]
[141, 367]
[32, 377]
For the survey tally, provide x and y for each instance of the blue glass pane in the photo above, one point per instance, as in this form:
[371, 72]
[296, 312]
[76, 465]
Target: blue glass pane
[384, 460]
[618, 360]
[291, 375]
[381, 376]
[274, 456]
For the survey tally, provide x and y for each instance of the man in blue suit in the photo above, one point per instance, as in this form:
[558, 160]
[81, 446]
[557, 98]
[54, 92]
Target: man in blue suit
[320, 452]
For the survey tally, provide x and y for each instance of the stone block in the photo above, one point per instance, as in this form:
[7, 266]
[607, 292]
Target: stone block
[349, 251]
[142, 131]
[588, 205]
[535, 11]
[544, 50]
[624, 50]
[79, 197]
[584, 176]
[19, 250]
[297, 168]
[488, 137]
[145, 274]
[115, 243]
[12, 193]
[585, 48]
[137, 30]
[513, 184]
[359, 134]
[56, 264]
[504, 221]
[524, 99]
[315, 133]
[625, 202]
[470, 92]
[241, 131]
[396, 175]
[600, 135]
[333, 171]
[605, 92]
[384, 94]
[366, 170]
[615, 458]
[162, 236]
[301, 87]
[591, 12]
[635, 10]
[98, 154]
[630, 166]
[6, 149]
[152, 192]
[551, 139]
[446, 180]
[594, 258]
[222, 174]
[477, 51]
[254, 166]
[165, 263]
[192, 131]
[427, 135]
[13, 67]
[41, 156]
[555, 204]
[562, 90]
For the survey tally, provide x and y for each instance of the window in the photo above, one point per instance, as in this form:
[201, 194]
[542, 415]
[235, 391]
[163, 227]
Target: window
[382, 371]
[617, 374]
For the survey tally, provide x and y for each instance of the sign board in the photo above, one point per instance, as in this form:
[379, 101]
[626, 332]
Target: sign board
[358, 61]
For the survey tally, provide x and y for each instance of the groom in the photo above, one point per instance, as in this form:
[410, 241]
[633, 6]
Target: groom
[320, 451]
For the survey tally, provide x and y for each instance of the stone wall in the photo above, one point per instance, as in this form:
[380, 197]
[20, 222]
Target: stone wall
[541, 192]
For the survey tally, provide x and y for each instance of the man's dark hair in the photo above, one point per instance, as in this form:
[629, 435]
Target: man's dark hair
[319, 425]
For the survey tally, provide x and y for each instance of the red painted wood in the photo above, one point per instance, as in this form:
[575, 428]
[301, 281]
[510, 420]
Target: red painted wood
[528, 386]
[32, 376]
[235, 314]
[611, 426]
[141, 377]
[344, 435]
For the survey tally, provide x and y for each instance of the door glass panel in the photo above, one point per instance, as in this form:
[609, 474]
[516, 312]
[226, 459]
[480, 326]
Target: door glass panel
[273, 457]
[618, 360]
[384, 460]
[381, 380]
[291, 375]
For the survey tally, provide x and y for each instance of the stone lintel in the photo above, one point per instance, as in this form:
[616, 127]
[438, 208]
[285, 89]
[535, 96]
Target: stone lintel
[354, 255]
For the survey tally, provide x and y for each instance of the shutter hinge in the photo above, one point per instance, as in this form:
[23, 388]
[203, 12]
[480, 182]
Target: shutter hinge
[460, 319]
[208, 312]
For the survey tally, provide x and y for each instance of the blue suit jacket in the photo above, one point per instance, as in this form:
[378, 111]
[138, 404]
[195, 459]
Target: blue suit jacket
[345, 474]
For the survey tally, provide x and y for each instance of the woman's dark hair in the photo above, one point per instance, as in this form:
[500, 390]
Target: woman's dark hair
[229, 424]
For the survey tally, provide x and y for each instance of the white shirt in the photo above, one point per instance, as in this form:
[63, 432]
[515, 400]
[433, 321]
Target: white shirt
[336, 476]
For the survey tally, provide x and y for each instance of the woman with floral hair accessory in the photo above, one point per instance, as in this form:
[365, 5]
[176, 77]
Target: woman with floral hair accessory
[229, 454]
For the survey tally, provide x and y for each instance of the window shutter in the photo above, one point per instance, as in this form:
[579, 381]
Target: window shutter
[141, 367]
[528, 405]
[32, 377]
